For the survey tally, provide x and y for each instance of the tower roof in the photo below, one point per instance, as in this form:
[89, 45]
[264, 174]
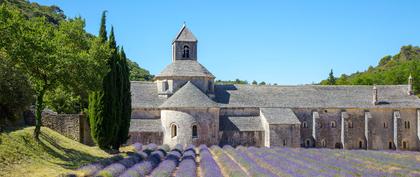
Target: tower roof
[188, 96]
[185, 68]
[185, 35]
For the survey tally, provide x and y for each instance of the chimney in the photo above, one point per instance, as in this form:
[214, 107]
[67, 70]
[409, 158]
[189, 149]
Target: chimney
[375, 95]
[410, 85]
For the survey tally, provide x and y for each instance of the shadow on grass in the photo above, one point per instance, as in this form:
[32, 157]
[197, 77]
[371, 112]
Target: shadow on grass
[73, 158]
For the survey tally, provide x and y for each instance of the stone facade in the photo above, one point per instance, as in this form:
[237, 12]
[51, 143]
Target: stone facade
[184, 106]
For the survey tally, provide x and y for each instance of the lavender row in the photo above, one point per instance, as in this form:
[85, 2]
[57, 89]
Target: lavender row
[145, 167]
[230, 167]
[166, 168]
[208, 165]
[248, 163]
[119, 167]
[188, 167]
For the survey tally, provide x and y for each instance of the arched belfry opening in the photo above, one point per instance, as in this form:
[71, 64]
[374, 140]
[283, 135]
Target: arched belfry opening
[174, 130]
[186, 52]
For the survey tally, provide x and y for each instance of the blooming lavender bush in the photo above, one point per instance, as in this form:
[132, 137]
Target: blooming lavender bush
[92, 168]
[187, 167]
[145, 167]
[229, 166]
[208, 165]
[118, 168]
[248, 163]
[166, 168]
[137, 147]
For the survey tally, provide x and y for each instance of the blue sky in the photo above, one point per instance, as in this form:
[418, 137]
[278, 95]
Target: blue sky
[284, 42]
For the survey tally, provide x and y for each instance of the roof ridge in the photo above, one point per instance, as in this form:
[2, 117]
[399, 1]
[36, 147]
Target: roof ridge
[188, 96]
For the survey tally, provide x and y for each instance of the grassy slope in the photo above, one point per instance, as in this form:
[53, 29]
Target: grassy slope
[21, 155]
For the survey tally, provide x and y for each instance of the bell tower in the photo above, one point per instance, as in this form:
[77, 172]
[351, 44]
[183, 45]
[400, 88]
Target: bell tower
[184, 46]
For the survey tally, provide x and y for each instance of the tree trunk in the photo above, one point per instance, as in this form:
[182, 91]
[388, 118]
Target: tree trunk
[38, 117]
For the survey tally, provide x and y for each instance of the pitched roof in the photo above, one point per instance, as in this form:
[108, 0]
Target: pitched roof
[241, 123]
[144, 95]
[185, 35]
[188, 96]
[185, 68]
[146, 125]
[279, 116]
[314, 96]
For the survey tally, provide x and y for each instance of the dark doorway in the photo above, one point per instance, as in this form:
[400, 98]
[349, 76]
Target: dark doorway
[391, 145]
[338, 146]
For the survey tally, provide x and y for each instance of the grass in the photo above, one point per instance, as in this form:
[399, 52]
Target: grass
[54, 154]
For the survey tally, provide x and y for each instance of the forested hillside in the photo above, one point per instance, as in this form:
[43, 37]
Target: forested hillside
[52, 53]
[390, 70]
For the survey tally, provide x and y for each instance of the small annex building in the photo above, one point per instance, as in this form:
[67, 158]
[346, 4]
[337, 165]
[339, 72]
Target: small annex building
[183, 105]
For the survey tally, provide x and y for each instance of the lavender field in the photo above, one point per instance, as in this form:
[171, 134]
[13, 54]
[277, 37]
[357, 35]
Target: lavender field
[161, 161]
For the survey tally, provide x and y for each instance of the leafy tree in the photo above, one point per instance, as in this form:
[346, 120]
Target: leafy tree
[385, 60]
[49, 55]
[262, 83]
[15, 92]
[137, 73]
[254, 82]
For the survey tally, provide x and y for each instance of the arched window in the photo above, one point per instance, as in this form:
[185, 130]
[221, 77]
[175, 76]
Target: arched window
[284, 142]
[350, 124]
[360, 144]
[194, 131]
[385, 124]
[333, 124]
[307, 143]
[319, 124]
[304, 124]
[186, 53]
[323, 143]
[174, 130]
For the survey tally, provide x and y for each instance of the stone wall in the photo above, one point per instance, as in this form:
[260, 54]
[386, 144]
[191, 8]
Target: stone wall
[146, 137]
[284, 135]
[350, 128]
[243, 138]
[73, 126]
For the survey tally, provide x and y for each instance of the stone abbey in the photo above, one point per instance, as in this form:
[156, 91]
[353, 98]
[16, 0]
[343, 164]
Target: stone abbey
[184, 106]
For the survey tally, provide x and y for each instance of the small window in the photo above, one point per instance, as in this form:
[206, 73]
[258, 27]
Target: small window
[284, 142]
[350, 124]
[360, 144]
[304, 124]
[174, 130]
[333, 124]
[319, 124]
[385, 124]
[164, 85]
[186, 53]
[323, 143]
[407, 124]
[194, 131]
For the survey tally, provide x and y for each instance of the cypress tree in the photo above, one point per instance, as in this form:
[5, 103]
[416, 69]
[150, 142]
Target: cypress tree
[125, 100]
[331, 79]
[102, 29]
[113, 92]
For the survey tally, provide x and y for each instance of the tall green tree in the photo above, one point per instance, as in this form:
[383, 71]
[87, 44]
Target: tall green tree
[331, 79]
[125, 101]
[102, 29]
